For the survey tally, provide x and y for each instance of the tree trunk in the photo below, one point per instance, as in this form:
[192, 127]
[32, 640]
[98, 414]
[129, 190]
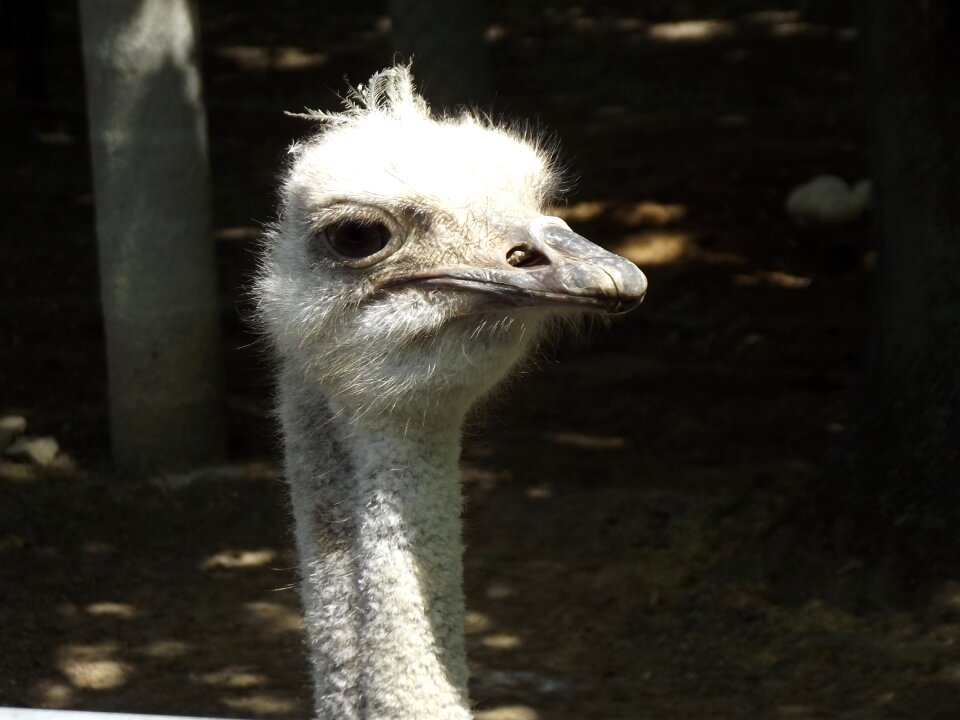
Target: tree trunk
[445, 39]
[157, 272]
[906, 458]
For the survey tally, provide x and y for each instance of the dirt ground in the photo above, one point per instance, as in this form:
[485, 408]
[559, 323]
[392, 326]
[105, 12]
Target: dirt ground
[621, 495]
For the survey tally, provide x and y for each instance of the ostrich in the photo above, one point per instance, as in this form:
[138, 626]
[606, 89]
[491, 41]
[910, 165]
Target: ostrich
[410, 269]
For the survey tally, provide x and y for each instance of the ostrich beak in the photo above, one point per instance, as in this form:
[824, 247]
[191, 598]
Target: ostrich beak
[541, 263]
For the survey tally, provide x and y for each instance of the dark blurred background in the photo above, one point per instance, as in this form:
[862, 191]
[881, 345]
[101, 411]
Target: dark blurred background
[668, 520]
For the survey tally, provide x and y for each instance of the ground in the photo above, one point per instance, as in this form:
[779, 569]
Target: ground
[624, 497]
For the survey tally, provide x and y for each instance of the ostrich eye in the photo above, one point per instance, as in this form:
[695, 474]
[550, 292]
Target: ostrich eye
[356, 239]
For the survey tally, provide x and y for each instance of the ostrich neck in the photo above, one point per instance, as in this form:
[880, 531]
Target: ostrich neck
[377, 512]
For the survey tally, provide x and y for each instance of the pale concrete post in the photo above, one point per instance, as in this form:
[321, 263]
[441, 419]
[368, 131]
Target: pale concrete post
[157, 273]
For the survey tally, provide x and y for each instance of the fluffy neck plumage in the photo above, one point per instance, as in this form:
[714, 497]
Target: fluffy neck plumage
[377, 508]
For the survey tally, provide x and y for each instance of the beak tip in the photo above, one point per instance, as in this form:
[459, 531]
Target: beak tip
[581, 268]
[631, 288]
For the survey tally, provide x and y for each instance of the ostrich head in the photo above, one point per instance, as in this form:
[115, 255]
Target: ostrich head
[412, 264]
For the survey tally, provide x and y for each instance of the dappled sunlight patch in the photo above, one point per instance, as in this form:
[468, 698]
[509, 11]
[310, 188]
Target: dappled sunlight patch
[260, 57]
[238, 233]
[501, 641]
[587, 442]
[111, 609]
[508, 712]
[495, 32]
[19, 472]
[696, 253]
[232, 559]
[579, 212]
[663, 247]
[650, 213]
[690, 30]
[775, 278]
[96, 674]
[539, 492]
[261, 704]
[785, 23]
[234, 676]
[484, 479]
[774, 17]
[643, 213]
[93, 667]
[166, 649]
[382, 27]
[92, 650]
[275, 617]
[654, 248]
[499, 591]
[477, 622]
[798, 28]
[53, 694]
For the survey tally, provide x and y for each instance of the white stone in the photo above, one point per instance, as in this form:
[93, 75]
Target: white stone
[40, 451]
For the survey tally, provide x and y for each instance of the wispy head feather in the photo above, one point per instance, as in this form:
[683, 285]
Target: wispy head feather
[389, 92]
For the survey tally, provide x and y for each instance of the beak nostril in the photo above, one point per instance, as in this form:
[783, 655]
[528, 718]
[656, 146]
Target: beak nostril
[524, 256]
